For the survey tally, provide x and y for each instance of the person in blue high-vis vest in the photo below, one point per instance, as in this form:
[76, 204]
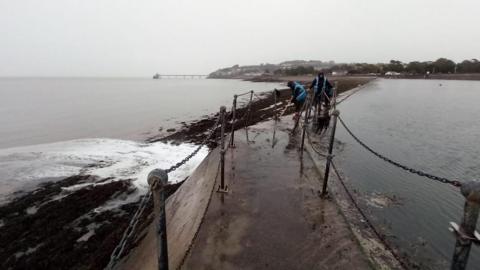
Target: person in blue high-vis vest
[320, 86]
[299, 95]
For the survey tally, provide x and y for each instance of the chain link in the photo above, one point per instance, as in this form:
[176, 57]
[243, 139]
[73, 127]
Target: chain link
[118, 251]
[127, 234]
[212, 131]
[401, 166]
[245, 114]
[369, 223]
[351, 94]
[319, 152]
[243, 94]
[260, 97]
[187, 158]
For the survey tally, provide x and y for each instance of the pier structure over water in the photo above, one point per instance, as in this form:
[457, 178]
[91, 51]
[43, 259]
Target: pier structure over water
[257, 201]
[268, 214]
[179, 76]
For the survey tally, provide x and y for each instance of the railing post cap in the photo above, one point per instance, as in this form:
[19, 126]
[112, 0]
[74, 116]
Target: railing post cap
[471, 191]
[235, 96]
[251, 91]
[157, 177]
[336, 113]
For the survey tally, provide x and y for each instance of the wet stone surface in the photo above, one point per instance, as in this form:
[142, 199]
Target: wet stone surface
[272, 217]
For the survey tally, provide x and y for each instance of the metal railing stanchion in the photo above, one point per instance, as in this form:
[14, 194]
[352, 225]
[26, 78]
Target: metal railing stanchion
[275, 116]
[248, 114]
[275, 104]
[466, 234]
[234, 108]
[335, 96]
[222, 188]
[157, 180]
[305, 124]
[335, 114]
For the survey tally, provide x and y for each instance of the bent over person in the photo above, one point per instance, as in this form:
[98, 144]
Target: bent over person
[299, 94]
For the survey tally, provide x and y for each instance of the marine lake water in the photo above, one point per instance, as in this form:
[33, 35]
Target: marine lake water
[430, 125]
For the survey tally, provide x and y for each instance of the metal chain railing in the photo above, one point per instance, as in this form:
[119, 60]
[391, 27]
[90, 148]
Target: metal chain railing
[187, 158]
[465, 232]
[367, 221]
[401, 166]
[299, 116]
[243, 94]
[245, 114]
[127, 234]
[351, 94]
[129, 231]
[318, 151]
[118, 250]
[258, 96]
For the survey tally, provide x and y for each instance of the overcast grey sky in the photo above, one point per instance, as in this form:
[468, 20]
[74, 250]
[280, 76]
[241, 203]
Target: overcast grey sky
[139, 38]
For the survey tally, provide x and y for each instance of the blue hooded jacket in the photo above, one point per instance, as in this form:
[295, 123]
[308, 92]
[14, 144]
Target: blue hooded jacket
[298, 92]
[320, 83]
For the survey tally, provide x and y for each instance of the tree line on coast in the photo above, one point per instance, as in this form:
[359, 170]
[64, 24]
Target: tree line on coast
[302, 67]
[441, 65]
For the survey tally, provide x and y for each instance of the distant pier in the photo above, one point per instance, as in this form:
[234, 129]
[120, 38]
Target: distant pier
[179, 76]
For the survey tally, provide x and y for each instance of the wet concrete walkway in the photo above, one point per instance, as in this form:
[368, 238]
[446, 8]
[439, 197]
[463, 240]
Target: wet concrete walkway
[272, 217]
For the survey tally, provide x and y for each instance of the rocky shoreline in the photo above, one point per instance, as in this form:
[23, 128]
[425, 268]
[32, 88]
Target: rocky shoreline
[53, 227]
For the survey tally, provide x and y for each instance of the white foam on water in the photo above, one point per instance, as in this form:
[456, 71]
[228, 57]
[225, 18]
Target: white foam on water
[23, 168]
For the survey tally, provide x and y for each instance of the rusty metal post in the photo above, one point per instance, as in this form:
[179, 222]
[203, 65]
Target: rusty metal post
[157, 180]
[335, 114]
[305, 124]
[234, 108]
[466, 232]
[334, 95]
[275, 104]
[275, 116]
[222, 187]
[311, 104]
[248, 111]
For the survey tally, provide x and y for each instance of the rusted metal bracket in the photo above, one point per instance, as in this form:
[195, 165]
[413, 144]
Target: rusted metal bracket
[455, 229]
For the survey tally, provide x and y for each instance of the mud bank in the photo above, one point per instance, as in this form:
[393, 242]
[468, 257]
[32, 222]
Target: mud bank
[262, 108]
[47, 228]
[54, 228]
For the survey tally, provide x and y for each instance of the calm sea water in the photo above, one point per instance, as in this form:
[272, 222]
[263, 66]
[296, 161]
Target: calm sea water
[429, 125]
[34, 111]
